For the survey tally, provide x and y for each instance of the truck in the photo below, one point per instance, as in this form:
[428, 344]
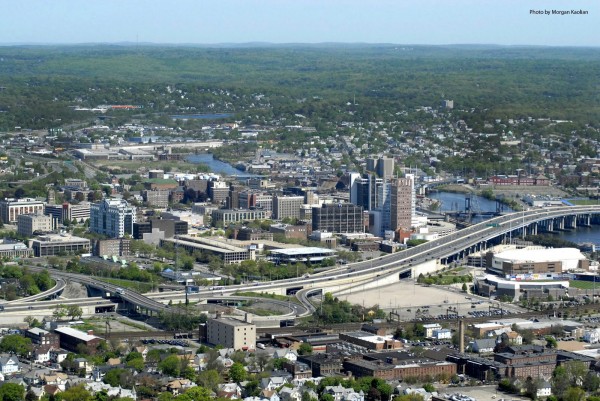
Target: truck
[120, 291]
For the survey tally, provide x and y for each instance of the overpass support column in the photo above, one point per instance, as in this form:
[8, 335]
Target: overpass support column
[574, 225]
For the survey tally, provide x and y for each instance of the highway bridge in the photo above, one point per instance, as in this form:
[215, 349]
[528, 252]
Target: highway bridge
[386, 269]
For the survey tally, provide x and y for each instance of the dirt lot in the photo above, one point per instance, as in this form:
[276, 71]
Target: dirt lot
[406, 297]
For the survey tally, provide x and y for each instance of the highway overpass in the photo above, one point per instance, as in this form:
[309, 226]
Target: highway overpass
[386, 269]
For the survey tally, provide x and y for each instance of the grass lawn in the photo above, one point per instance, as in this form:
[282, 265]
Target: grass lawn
[584, 202]
[133, 285]
[584, 285]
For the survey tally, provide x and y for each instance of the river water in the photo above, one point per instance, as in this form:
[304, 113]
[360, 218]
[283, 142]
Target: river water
[455, 201]
[217, 166]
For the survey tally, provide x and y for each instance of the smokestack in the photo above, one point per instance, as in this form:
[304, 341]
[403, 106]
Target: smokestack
[461, 336]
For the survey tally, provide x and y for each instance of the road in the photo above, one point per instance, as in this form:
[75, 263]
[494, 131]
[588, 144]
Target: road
[399, 263]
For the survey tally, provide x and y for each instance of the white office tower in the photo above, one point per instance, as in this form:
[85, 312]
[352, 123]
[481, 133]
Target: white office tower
[112, 217]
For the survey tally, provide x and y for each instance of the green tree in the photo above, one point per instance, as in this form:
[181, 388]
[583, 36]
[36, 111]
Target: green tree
[74, 311]
[237, 372]
[464, 287]
[76, 393]
[199, 394]
[15, 343]
[209, 378]
[305, 349]
[170, 366]
[429, 387]
[574, 394]
[591, 382]
[550, 342]
[409, 397]
[12, 392]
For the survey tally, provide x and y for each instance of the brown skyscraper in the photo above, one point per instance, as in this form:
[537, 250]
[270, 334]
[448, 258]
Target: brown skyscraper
[402, 202]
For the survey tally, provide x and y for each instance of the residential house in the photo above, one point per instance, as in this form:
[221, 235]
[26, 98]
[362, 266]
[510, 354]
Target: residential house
[51, 390]
[286, 353]
[514, 338]
[58, 355]
[41, 354]
[290, 394]
[38, 392]
[272, 383]
[112, 392]
[9, 364]
[229, 390]
[57, 379]
[544, 390]
[179, 386]
[340, 393]
[143, 351]
[592, 336]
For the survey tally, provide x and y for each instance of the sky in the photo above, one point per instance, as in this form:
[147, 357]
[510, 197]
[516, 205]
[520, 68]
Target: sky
[432, 22]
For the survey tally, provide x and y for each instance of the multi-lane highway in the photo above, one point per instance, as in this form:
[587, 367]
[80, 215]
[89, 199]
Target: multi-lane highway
[358, 273]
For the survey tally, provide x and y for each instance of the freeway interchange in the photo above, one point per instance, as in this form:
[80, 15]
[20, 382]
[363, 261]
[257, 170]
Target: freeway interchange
[400, 263]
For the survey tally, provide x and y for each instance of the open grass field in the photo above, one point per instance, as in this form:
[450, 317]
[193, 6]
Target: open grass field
[584, 285]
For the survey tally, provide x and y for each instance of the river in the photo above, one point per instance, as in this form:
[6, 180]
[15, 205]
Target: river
[456, 201]
[217, 166]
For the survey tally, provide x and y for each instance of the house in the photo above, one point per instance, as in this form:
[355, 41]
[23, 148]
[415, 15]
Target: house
[591, 336]
[9, 365]
[272, 383]
[81, 364]
[41, 354]
[229, 390]
[483, 346]
[340, 393]
[179, 386]
[286, 353]
[514, 338]
[58, 355]
[38, 392]
[544, 390]
[112, 392]
[51, 390]
[143, 351]
[290, 394]
[57, 379]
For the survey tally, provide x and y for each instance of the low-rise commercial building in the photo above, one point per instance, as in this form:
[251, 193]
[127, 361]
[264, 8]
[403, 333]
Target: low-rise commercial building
[11, 250]
[59, 244]
[307, 254]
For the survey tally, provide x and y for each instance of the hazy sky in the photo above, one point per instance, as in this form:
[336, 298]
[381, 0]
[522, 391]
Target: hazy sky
[506, 22]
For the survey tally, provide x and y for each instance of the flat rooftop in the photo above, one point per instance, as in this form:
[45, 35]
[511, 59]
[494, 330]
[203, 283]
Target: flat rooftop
[311, 250]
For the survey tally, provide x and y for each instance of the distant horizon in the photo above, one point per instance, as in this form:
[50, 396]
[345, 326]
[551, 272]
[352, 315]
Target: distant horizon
[553, 23]
[283, 44]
